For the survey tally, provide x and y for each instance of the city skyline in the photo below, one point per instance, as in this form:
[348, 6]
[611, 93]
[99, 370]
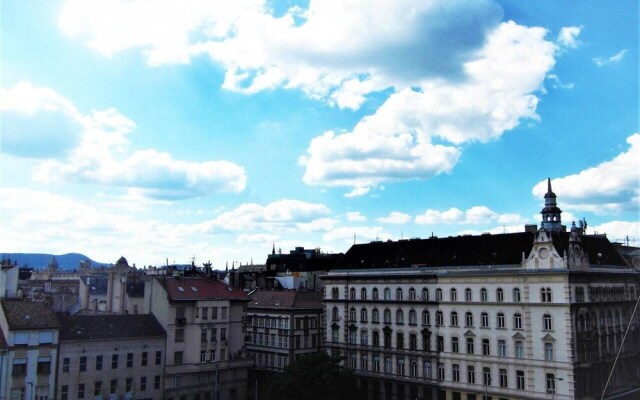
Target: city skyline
[160, 131]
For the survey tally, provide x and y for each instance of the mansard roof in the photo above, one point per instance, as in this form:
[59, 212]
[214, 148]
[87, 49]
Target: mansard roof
[501, 249]
[285, 299]
[28, 315]
[195, 288]
[102, 327]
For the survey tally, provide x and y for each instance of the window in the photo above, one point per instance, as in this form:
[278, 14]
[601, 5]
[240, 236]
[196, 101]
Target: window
[374, 293]
[455, 372]
[468, 319]
[364, 363]
[97, 388]
[413, 319]
[66, 362]
[143, 360]
[223, 313]
[548, 351]
[440, 371]
[387, 316]
[387, 365]
[363, 315]
[502, 348]
[376, 363]
[177, 357]
[427, 370]
[352, 314]
[129, 360]
[545, 295]
[547, 324]
[516, 295]
[426, 318]
[363, 293]
[83, 364]
[413, 342]
[520, 380]
[484, 320]
[519, 349]
[214, 333]
[335, 293]
[114, 361]
[364, 338]
[81, 389]
[177, 381]
[19, 367]
[453, 294]
[158, 357]
[352, 293]
[179, 335]
[400, 366]
[500, 320]
[426, 341]
[156, 382]
[439, 318]
[399, 317]
[551, 383]
[387, 293]
[335, 316]
[454, 318]
[440, 343]
[425, 294]
[412, 294]
[468, 294]
[64, 392]
[503, 378]
[483, 295]
[399, 340]
[438, 294]
[113, 387]
[454, 344]
[203, 335]
[470, 349]
[128, 384]
[21, 338]
[486, 349]
[375, 316]
[413, 368]
[398, 294]
[387, 339]
[45, 337]
[486, 376]
[205, 313]
[471, 374]
[517, 321]
[143, 383]
[499, 295]
[98, 363]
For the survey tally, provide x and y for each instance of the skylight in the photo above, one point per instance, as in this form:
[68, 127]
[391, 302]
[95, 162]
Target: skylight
[180, 288]
[193, 288]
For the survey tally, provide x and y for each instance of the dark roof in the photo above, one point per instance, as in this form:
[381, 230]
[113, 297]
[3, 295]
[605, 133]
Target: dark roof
[285, 299]
[25, 315]
[194, 288]
[502, 249]
[96, 327]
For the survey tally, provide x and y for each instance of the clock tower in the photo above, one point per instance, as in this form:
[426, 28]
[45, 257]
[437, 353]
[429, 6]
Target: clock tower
[551, 220]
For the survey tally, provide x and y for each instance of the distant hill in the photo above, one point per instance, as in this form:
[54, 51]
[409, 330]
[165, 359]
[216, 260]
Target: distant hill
[69, 261]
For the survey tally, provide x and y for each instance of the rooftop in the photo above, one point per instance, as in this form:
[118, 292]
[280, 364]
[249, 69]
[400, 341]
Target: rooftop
[96, 327]
[195, 288]
[285, 299]
[27, 315]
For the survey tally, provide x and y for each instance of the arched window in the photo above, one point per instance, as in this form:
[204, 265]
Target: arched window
[468, 294]
[364, 337]
[499, 295]
[375, 315]
[399, 294]
[412, 294]
[335, 315]
[352, 293]
[387, 316]
[483, 295]
[484, 320]
[399, 317]
[363, 293]
[352, 314]
[334, 293]
[468, 319]
[500, 320]
[374, 293]
[517, 321]
[547, 323]
[439, 318]
[387, 293]
[426, 318]
[413, 319]
[438, 294]
[545, 295]
[516, 295]
[453, 294]
[454, 318]
[425, 294]
[364, 315]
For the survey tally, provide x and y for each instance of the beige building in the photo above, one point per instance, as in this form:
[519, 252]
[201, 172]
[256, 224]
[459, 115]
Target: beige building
[111, 356]
[205, 341]
[30, 353]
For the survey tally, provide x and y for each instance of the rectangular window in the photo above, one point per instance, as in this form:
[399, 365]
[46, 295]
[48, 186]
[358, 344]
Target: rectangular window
[485, 347]
[158, 357]
[470, 349]
[177, 358]
[21, 338]
[502, 348]
[214, 312]
[83, 363]
[44, 365]
[114, 361]
[203, 335]
[128, 384]
[440, 371]
[519, 348]
[205, 313]
[223, 334]
[143, 383]
[486, 376]
[66, 362]
[179, 337]
[98, 363]
[64, 392]
[143, 360]
[45, 337]
[520, 380]
[454, 344]
[471, 374]
[223, 312]
[203, 356]
[97, 388]
[81, 390]
[214, 334]
[551, 383]
[113, 387]
[484, 320]
[129, 360]
[156, 382]
[548, 351]
[503, 378]
[455, 372]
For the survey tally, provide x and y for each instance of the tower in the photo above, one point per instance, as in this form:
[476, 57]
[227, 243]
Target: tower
[551, 220]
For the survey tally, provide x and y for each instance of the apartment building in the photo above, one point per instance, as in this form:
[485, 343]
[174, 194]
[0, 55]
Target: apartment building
[30, 350]
[203, 318]
[111, 356]
[539, 314]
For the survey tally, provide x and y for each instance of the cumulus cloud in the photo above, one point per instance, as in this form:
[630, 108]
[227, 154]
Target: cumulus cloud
[395, 217]
[607, 188]
[92, 149]
[476, 215]
[619, 230]
[616, 58]
[568, 37]
[360, 233]
[355, 216]
[279, 216]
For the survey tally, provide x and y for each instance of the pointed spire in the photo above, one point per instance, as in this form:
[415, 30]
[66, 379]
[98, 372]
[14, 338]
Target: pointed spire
[273, 249]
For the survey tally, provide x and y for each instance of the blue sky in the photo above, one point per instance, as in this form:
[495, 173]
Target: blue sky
[166, 130]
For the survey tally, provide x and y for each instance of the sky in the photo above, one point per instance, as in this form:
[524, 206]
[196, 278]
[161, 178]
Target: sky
[201, 130]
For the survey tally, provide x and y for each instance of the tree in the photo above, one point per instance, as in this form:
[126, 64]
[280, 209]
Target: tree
[316, 377]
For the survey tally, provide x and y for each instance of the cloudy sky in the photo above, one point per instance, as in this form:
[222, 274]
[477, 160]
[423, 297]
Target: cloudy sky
[158, 130]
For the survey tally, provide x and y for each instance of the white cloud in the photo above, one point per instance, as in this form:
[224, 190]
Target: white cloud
[395, 217]
[417, 132]
[602, 61]
[92, 149]
[355, 216]
[556, 83]
[494, 231]
[361, 233]
[608, 188]
[568, 37]
[619, 230]
[476, 215]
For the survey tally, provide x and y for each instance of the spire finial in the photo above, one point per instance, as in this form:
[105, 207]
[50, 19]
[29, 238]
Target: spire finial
[548, 184]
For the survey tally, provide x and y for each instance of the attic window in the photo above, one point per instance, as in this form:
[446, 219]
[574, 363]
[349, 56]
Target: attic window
[193, 288]
[180, 288]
